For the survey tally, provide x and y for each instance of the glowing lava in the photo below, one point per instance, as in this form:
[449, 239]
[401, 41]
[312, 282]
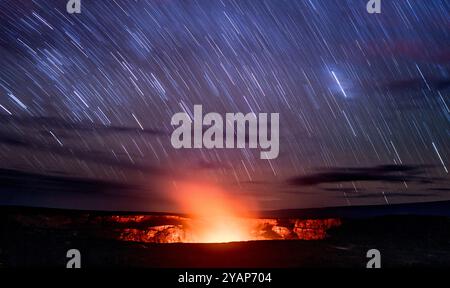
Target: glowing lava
[215, 216]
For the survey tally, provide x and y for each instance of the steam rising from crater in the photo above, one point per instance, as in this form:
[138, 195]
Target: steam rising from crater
[216, 216]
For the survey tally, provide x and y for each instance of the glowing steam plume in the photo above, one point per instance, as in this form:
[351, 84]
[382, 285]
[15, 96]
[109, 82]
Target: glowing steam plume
[216, 216]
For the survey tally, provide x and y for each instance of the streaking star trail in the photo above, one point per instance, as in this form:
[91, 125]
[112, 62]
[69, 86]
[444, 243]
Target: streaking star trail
[91, 95]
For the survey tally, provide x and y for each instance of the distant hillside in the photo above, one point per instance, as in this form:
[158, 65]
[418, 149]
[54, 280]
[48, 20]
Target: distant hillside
[438, 208]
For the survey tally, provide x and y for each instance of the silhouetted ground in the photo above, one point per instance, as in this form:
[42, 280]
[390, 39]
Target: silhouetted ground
[403, 240]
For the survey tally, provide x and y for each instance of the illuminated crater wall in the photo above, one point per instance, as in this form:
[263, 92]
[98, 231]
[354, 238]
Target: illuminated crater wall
[165, 228]
[173, 229]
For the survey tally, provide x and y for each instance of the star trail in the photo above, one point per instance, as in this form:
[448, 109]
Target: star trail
[91, 96]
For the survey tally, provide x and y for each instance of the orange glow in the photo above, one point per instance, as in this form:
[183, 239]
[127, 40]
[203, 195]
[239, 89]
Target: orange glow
[177, 229]
[215, 216]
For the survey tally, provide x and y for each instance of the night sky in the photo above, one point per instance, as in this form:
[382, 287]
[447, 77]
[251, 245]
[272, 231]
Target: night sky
[86, 100]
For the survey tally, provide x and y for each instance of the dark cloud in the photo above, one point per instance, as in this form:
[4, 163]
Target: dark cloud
[383, 173]
[389, 195]
[416, 84]
[58, 189]
[91, 156]
[439, 189]
[17, 181]
[346, 190]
